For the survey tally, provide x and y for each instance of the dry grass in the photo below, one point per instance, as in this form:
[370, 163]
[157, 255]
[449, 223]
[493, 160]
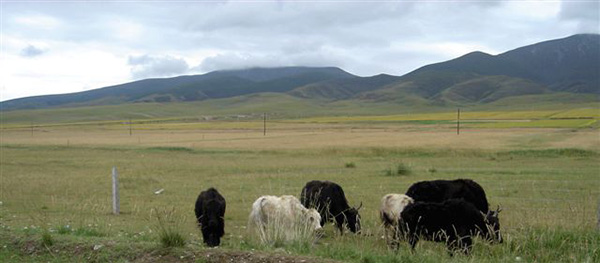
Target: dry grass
[310, 136]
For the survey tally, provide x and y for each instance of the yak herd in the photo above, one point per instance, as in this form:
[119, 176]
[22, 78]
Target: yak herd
[449, 211]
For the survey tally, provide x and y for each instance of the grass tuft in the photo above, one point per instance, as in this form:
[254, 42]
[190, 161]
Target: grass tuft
[400, 170]
[168, 226]
[171, 239]
[47, 239]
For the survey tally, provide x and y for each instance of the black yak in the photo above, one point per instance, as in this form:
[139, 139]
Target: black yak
[453, 221]
[441, 190]
[329, 199]
[210, 209]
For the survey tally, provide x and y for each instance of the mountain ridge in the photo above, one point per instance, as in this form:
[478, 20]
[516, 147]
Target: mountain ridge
[570, 65]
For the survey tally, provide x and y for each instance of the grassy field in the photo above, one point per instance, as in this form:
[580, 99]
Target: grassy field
[56, 183]
[283, 106]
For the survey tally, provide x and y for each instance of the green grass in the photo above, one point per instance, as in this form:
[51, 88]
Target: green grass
[171, 149]
[578, 113]
[553, 123]
[57, 195]
[551, 153]
[282, 106]
[15, 247]
[76, 189]
[525, 245]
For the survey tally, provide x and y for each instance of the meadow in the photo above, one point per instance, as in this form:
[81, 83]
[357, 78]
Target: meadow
[541, 167]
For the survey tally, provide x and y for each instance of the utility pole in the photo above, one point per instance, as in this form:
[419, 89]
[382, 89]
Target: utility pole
[265, 124]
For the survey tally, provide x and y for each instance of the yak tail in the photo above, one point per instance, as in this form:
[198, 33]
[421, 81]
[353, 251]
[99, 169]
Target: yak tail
[256, 215]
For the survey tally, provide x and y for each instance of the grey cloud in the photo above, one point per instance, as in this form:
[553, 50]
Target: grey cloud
[147, 66]
[586, 14]
[580, 10]
[237, 61]
[362, 37]
[31, 51]
[288, 18]
[233, 60]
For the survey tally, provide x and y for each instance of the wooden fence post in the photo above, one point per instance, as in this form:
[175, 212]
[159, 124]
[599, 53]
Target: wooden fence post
[598, 223]
[115, 191]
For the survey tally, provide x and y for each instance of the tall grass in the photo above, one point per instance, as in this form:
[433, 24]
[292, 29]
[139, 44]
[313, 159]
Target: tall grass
[168, 226]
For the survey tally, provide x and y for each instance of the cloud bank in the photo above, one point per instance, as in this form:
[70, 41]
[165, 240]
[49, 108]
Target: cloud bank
[147, 66]
[115, 42]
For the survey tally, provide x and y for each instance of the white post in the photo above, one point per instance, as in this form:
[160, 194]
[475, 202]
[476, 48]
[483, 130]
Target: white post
[115, 191]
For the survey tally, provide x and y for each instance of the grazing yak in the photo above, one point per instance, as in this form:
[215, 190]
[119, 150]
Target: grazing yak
[210, 209]
[329, 199]
[453, 221]
[441, 190]
[285, 214]
[391, 207]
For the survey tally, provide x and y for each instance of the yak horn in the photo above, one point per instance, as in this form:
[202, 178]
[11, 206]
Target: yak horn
[359, 206]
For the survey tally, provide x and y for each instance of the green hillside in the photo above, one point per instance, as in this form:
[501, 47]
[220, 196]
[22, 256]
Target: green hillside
[213, 85]
[343, 88]
[489, 88]
[282, 106]
[567, 68]
[569, 64]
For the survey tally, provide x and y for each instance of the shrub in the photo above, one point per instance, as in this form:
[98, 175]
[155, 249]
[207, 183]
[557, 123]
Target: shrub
[350, 165]
[401, 169]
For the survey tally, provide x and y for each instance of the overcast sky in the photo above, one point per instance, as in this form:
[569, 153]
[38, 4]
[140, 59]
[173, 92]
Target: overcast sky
[51, 47]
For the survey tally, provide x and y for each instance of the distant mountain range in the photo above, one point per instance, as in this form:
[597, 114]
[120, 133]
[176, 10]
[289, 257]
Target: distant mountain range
[568, 65]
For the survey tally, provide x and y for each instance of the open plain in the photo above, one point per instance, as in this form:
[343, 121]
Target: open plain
[56, 184]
